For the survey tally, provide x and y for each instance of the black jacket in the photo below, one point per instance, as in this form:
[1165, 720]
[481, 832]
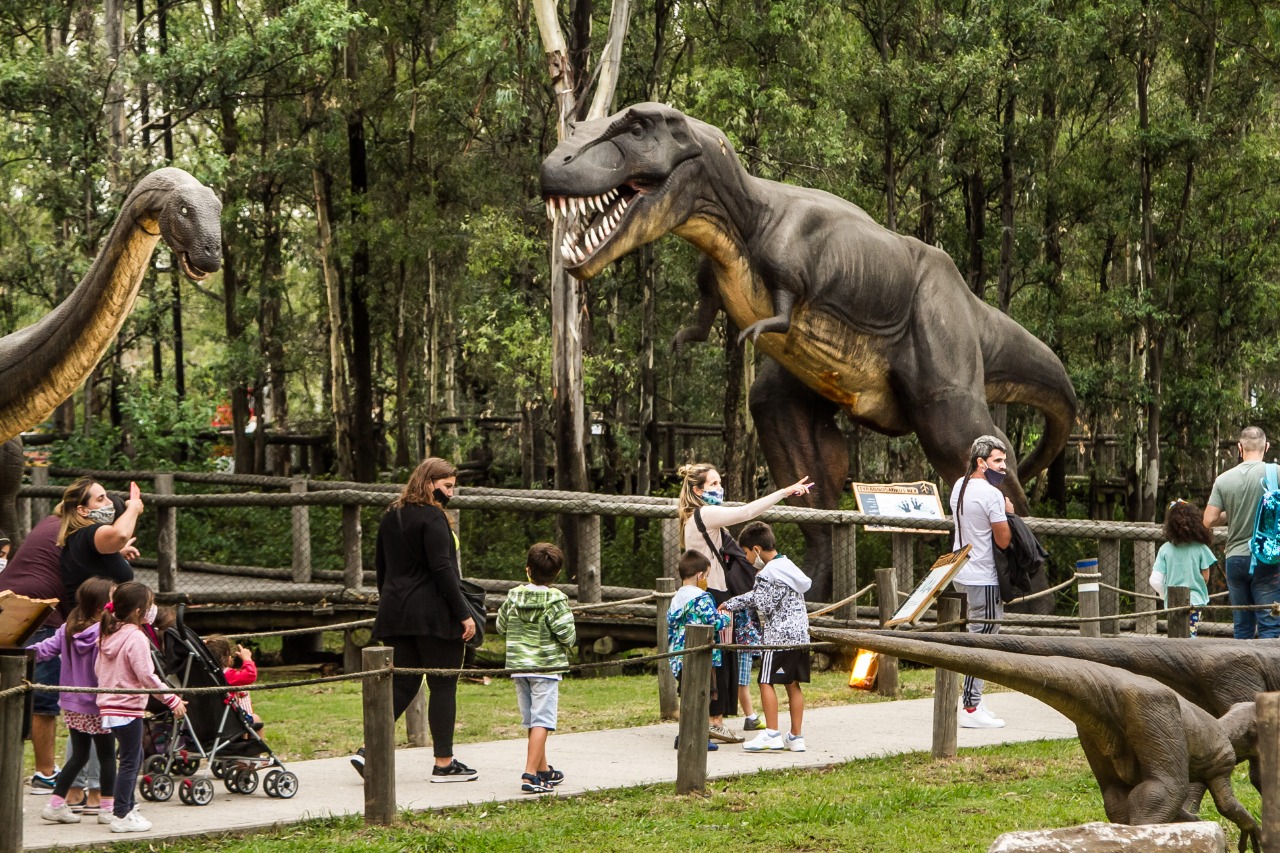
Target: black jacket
[417, 563]
[1020, 562]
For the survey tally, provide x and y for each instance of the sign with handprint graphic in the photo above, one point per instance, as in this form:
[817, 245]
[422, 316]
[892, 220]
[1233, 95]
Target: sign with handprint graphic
[900, 500]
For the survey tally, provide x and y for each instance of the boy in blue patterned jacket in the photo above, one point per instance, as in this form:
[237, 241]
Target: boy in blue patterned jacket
[693, 605]
[539, 628]
[778, 598]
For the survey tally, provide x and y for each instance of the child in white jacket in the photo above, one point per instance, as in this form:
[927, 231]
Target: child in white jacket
[778, 599]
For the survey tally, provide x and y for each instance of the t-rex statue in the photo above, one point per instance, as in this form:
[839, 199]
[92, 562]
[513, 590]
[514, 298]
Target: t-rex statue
[1216, 675]
[853, 317]
[1149, 748]
[44, 363]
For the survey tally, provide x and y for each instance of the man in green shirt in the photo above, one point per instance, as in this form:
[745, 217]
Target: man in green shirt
[1234, 502]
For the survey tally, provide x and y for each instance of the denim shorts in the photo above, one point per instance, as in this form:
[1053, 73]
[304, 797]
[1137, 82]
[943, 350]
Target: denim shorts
[539, 700]
[745, 659]
[47, 672]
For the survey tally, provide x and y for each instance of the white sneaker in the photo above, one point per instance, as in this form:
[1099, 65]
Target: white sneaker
[132, 822]
[979, 718]
[106, 818]
[62, 814]
[795, 743]
[764, 742]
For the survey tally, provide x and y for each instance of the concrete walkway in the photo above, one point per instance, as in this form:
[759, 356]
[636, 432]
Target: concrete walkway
[591, 761]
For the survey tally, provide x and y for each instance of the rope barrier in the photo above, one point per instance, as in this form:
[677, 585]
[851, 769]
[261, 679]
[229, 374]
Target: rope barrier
[832, 607]
[1131, 592]
[607, 604]
[1042, 593]
[290, 632]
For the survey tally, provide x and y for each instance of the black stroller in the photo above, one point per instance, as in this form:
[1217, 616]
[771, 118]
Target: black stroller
[215, 730]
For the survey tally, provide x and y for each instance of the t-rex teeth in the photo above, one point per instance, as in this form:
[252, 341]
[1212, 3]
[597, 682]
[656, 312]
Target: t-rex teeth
[563, 204]
[566, 254]
[581, 255]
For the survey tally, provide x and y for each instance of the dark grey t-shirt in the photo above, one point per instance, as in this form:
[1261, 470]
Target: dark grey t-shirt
[1238, 492]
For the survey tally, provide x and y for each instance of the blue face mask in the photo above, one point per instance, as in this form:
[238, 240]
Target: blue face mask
[714, 497]
[994, 477]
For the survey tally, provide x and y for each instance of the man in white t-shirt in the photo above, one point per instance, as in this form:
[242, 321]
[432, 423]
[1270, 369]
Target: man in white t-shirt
[982, 522]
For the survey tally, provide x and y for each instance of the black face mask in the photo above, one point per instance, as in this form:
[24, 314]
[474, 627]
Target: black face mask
[441, 497]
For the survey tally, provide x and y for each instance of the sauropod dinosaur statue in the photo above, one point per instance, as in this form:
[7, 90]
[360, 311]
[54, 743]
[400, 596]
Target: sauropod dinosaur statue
[1146, 745]
[852, 317]
[1215, 675]
[43, 364]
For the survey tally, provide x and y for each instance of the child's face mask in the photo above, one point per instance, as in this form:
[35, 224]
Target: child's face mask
[758, 561]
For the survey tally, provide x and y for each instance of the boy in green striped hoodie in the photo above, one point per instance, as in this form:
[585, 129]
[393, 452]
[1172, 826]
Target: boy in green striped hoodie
[539, 629]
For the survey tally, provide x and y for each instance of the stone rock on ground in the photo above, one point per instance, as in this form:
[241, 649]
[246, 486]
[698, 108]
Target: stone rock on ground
[1201, 837]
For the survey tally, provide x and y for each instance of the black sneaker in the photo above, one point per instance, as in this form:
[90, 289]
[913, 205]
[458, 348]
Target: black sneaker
[454, 771]
[357, 761]
[551, 776]
[529, 783]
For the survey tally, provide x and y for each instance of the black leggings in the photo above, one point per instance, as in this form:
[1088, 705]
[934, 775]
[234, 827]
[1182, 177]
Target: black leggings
[129, 739]
[724, 678]
[78, 756]
[422, 652]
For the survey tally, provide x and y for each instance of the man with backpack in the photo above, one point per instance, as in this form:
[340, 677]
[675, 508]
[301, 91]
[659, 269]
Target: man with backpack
[1236, 496]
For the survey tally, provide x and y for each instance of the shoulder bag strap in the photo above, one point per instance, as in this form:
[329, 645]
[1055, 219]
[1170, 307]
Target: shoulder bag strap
[702, 528]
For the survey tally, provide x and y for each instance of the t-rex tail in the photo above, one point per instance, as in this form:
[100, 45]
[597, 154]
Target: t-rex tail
[1021, 369]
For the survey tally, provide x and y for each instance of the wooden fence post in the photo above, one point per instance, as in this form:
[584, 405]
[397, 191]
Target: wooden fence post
[301, 523]
[587, 564]
[352, 566]
[1178, 622]
[844, 568]
[887, 597]
[670, 548]
[1144, 557]
[695, 708]
[946, 688]
[1268, 711]
[415, 718]
[352, 652]
[1109, 599]
[166, 536]
[39, 506]
[24, 518]
[904, 560]
[1087, 596]
[12, 669]
[379, 739]
[665, 589]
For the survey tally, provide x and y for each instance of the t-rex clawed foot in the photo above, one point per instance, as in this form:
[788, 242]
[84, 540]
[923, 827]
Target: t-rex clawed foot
[774, 324]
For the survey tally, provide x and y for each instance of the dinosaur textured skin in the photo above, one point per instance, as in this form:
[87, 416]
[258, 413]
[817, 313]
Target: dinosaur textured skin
[43, 364]
[851, 317]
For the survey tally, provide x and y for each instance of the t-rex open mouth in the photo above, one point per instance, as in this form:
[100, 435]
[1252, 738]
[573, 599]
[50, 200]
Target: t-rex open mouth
[190, 271]
[590, 220]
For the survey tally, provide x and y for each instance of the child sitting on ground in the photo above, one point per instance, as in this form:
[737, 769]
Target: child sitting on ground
[1185, 559]
[239, 670]
[693, 605]
[778, 597]
[539, 628]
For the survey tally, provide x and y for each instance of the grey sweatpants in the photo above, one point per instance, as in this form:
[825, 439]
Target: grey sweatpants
[984, 603]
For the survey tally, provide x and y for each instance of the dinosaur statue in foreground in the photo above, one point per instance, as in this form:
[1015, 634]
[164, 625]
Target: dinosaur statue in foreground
[1148, 747]
[1215, 675]
[853, 317]
[44, 363]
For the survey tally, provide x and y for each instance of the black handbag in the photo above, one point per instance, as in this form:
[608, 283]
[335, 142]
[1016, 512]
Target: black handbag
[739, 572]
[473, 594]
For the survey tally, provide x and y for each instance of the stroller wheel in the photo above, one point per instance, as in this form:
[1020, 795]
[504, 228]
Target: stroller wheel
[246, 781]
[161, 787]
[201, 791]
[229, 781]
[144, 788]
[187, 767]
[184, 792]
[218, 769]
[154, 764]
[280, 783]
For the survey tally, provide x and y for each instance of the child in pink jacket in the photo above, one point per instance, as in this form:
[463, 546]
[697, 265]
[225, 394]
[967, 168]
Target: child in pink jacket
[124, 662]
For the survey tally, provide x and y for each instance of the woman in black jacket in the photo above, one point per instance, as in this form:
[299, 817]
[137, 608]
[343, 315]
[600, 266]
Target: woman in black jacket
[422, 615]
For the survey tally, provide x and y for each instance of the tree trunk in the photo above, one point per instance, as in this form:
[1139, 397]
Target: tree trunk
[363, 440]
[1148, 462]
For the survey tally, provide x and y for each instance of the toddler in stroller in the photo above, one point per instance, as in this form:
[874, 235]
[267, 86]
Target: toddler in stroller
[216, 730]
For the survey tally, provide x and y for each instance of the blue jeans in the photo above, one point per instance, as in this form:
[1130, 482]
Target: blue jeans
[1262, 587]
[129, 748]
[47, 672]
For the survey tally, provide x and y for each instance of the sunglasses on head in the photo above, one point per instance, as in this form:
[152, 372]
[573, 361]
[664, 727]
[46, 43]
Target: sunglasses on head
[1174, 503]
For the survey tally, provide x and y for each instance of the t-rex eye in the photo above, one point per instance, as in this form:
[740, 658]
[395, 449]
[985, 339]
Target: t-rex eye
[184, 211]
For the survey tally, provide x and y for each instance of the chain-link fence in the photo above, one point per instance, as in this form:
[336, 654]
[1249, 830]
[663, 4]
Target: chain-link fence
[205, 539]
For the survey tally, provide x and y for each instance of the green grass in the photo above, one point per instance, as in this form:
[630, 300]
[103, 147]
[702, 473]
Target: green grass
[890, 805]
[324, 720]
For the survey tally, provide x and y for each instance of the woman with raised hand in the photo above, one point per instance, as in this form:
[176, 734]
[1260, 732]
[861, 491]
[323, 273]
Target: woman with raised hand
[422, 615]
[96, 541]
[702, 521]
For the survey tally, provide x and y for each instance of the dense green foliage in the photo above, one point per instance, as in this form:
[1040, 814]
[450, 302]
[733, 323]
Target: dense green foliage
[1103, 171]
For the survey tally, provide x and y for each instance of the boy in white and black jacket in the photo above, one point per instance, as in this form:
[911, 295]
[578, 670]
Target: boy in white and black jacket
[778, 599]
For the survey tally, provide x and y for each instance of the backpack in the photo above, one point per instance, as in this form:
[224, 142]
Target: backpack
[1264, 546]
